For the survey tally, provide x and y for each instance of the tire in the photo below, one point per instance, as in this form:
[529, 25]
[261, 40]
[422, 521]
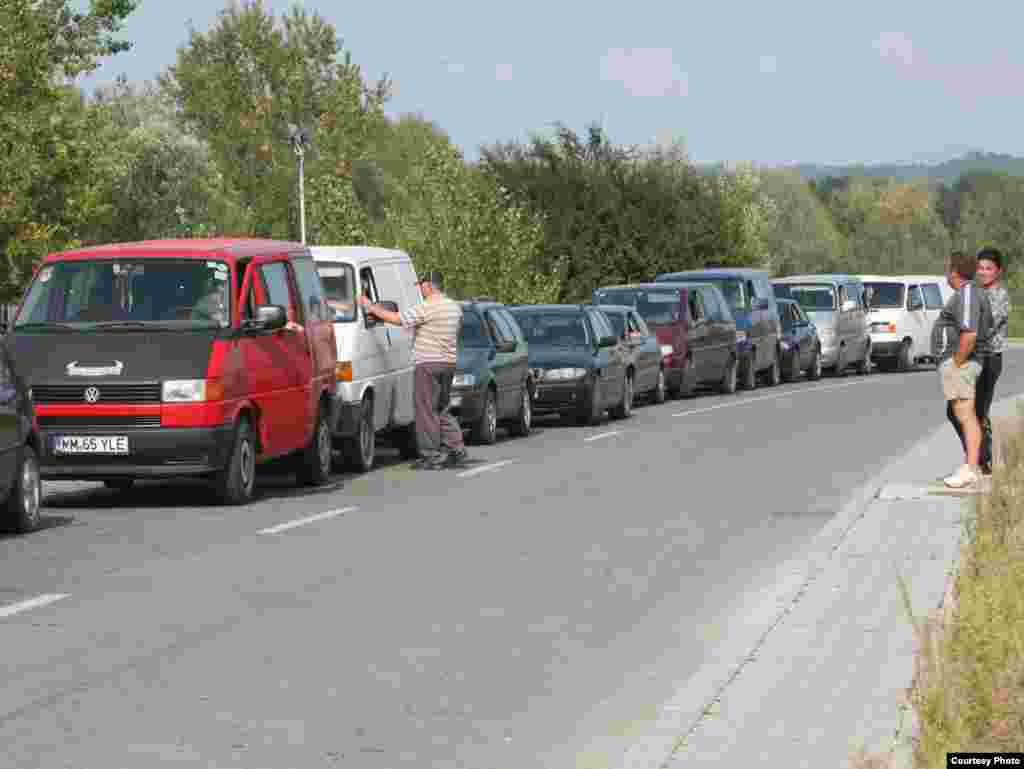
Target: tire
[524, 420]
[315, 459]
[25, 500]
[120, 484]
[904, 361]
[659, 394]
[814, 371]
[235, 483]
[485, 430]
[688, 381]
[624, 409]
[406, 442]
[864, 366]
[729, 379]
[775, 372]
[360, 450]
[840, 367]
[593, 413]
[792, 372]
[750, 374]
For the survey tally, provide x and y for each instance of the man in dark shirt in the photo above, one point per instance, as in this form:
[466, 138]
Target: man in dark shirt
[961, 333]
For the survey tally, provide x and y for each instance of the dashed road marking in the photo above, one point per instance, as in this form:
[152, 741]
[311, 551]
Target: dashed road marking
[307, 520]
[32, 603]
[776, 396]
[602, 435]
[485, 468]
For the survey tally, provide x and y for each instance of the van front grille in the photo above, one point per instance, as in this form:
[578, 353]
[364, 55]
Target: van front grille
[107, 392]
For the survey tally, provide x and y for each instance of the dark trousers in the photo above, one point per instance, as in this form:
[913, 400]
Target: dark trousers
[436, 428]
[985, 390]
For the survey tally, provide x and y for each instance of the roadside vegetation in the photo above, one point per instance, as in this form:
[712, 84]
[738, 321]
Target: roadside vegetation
[202, 150]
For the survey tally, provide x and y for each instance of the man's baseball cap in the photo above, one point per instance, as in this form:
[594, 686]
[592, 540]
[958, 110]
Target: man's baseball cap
[433, 277]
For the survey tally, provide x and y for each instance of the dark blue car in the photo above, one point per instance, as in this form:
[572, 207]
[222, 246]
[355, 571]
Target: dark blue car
[800, 346]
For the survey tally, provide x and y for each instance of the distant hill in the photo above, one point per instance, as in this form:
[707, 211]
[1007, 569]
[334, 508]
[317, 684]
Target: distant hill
[947, 171]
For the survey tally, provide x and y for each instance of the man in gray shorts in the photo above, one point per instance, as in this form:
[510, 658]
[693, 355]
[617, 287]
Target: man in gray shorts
[961, 333]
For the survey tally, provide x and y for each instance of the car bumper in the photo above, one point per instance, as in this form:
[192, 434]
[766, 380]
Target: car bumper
[557, 397]
[829, 352]
[152, 453]
[885, 345]
[466, 404]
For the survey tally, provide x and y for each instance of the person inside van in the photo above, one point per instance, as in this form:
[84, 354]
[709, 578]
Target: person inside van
[212, 304]
[990, 270]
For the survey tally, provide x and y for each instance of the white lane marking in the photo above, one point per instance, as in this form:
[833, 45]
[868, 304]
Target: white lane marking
[32, 603]
[484, 468]
[309, 519]
[788, 394]
[602, 435]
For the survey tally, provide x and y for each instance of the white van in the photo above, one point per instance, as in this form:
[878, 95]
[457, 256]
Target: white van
[902, 311]
[375, 363]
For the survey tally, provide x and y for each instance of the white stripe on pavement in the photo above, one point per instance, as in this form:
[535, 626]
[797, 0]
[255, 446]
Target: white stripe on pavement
[32, 603]
[776, 396]
[309, 519]
[484, 468]
[602, 435]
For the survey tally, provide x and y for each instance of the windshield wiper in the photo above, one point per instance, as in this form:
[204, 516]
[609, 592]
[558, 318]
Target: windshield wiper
[44, 325]
[139, 324]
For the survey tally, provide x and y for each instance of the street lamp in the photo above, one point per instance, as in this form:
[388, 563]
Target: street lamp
[301, 138]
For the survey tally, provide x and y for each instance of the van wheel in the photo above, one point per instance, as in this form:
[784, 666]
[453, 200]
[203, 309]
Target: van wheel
[235, 483]
[25, 499]
[524, 422]
[775, 372]
[360, 450]
[315, 461]
[864, 366]
[750, 374]
[728, 385]
[592, 413]
[904, 361]
[624, 408]
[119, 484]
[814, 372]
[659, 395]
[486, 428]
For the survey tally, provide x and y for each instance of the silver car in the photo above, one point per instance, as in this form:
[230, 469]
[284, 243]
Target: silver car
[837, 306]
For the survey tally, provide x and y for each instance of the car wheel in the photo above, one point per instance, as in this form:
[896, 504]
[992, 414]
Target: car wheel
[524, 422]
[728, 385]
[235, 483]
[593, 413]
[486, 429]
[26, 496]
[659, 395]
[792, 372]
[905, 362]
[315, 467]
[864, 366]
[625, 407]
[775, 372]
[119, 484]
[750, 374]
[688, 381]
[361, 449]
[814, 371]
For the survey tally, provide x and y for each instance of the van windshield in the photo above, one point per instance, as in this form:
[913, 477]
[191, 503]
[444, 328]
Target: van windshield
[552, 329]
[885, 295]
[339, 282]
[655, 307]
[813, 297]
[128, 293]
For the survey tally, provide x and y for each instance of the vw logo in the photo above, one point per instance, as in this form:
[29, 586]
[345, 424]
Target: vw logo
[92, 394]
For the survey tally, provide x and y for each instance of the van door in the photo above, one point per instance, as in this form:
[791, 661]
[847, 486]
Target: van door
[918, 328]
[506, 375]
[933, 303]
[374, 346]
[279, 364]
[399, 347]
[700, 338]
[723, 342]
[401, 342]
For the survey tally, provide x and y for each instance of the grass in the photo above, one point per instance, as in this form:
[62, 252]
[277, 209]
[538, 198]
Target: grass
[968, 687]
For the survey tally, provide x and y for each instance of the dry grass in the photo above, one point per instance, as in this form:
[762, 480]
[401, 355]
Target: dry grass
[968, 691]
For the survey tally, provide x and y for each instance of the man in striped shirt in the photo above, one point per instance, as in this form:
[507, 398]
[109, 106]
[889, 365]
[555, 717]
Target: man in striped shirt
[435, 327]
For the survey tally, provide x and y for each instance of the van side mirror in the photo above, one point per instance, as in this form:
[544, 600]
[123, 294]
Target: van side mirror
[269, 317]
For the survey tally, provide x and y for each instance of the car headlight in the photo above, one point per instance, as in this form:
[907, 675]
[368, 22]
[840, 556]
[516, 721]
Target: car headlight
[667, 349]
[555, 374]
[192, 391]
[741, 336]
[464, 380]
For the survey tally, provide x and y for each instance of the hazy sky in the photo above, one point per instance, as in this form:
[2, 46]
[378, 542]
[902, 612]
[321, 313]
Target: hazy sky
[773, 82]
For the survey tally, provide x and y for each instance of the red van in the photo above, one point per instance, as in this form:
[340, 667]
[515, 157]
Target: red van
[179, 358]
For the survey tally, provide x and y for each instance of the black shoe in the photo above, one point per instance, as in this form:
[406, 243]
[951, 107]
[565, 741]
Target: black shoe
[456, 458]
[430, 463]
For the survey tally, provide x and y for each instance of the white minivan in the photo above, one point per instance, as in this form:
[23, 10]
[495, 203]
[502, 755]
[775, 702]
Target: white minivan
[375, 363]
[902, 310]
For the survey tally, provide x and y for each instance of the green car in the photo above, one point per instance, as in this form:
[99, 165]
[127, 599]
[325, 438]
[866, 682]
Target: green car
[493, 384]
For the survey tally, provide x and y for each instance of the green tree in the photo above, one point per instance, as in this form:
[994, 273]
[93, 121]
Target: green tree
[800, 236]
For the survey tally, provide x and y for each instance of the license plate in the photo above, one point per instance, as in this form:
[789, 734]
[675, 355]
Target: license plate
[91, 444]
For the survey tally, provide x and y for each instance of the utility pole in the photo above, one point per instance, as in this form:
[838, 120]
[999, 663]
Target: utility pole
[300, 139]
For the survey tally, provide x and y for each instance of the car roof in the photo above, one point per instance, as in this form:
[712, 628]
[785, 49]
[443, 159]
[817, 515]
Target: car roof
[481, 303]
[719, 272]
[550, 307]
[657, 286]
[355, 253]
[829, 277]
[619, 308]
[187, 248]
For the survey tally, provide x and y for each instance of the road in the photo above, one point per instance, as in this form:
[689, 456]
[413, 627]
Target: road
[501, 617]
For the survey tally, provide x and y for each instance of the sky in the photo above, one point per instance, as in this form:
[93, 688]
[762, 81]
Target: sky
[770, 82]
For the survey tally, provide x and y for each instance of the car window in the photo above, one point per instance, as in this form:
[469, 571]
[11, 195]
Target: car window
[275, 280]
[637, 323]
[714, 305]
[602, 326]
[512, 324]
[367, 285]
[553, 329]
[914, 295]
[696, 303]
[885, 295]
[310, 289]
[618, 323]
[473, 333]
[659, 307]
[813, 296]
[932, 296]
[856, 293]
[502, 330]
[339, 285]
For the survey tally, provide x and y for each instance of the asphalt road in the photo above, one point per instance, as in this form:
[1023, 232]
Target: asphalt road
[503, 616]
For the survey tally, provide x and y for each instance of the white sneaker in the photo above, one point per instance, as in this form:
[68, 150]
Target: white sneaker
[963, 478]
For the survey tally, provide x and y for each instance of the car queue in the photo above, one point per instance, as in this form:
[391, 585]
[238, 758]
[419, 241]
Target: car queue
[211, 358]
